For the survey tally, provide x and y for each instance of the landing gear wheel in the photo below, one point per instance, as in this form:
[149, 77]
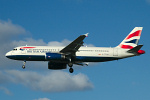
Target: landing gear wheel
[70, 64]
[71, 70]
[24, 63]
[23, 66]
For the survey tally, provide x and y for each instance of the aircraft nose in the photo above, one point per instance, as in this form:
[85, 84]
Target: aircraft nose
[8, 54]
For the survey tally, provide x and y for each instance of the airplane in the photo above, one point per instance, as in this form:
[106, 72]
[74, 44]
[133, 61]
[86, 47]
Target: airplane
[76, 54]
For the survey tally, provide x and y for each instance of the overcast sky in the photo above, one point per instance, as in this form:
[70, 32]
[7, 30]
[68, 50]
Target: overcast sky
[57, 23]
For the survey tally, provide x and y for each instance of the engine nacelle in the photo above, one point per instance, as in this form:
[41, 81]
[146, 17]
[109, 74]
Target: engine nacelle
[54, 56]
[56, 66]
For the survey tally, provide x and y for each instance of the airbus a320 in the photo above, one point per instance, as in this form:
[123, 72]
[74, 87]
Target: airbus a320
[76, 54]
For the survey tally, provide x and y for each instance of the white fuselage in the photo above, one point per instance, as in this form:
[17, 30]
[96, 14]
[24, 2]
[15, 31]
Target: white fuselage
[84, 54]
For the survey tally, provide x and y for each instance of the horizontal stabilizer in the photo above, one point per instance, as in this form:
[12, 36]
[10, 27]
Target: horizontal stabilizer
[135, 49]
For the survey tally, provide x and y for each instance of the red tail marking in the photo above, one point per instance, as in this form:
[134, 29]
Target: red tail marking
[126, 46]
[137, 33]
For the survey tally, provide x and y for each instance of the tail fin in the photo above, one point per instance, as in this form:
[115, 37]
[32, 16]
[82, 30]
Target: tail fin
[132, 39]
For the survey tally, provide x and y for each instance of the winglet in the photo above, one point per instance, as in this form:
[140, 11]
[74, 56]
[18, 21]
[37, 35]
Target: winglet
[86, 34]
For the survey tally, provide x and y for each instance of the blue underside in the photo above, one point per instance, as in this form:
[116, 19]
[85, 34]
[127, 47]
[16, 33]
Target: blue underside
[27, 57]
[94, 59]
[78, 58]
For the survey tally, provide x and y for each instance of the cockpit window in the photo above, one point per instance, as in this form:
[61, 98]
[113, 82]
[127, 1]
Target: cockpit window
[14, 49]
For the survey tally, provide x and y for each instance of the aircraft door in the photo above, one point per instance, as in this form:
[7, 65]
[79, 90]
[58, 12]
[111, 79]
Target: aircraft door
[115, 52]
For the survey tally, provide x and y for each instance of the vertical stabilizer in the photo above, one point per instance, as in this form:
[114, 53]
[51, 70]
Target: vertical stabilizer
[132, 39]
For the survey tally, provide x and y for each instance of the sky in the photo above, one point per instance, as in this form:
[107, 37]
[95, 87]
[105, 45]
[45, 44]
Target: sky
[57, 23]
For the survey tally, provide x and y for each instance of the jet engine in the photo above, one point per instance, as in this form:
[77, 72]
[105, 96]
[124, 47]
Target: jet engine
[56, 66]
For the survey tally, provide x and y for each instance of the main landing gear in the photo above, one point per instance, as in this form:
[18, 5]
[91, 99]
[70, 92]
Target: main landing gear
[24, 63]
[70, 64]
[71, 70]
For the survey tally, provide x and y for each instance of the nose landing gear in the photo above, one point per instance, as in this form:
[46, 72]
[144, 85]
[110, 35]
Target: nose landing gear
[24, 63]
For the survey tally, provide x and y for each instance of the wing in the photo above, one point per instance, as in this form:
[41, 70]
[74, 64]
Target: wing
[75, 45]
